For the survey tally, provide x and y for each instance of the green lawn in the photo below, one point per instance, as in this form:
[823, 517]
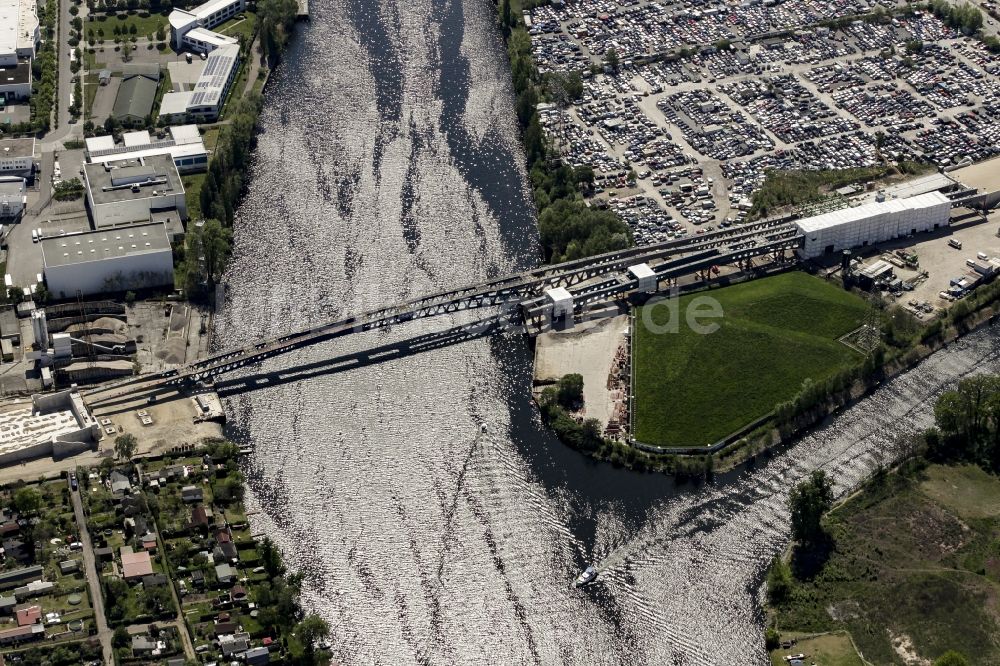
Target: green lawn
[694, 389]
[192, 194]
[144, 25]
[245, 26]
[911, 559]
[829, 650]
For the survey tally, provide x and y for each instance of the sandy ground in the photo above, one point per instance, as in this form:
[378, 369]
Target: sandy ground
[173, 426]
[587, 349]
[173, 422]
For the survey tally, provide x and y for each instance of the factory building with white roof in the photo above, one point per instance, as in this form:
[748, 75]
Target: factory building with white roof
[19, 33]
[190, 30]
[108, 260]
[183, 143]
[873, 222]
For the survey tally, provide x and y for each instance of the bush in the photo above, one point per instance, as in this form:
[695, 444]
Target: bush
[779, 581]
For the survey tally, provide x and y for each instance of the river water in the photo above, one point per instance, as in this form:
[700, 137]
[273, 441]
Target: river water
[388, 166]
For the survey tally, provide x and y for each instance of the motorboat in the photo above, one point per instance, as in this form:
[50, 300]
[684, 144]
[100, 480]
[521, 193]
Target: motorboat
[588, 576]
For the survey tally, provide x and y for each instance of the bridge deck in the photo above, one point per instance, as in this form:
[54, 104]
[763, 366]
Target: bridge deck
[506, 292]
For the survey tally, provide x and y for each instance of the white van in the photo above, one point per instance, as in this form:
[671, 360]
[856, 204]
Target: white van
[34, 235]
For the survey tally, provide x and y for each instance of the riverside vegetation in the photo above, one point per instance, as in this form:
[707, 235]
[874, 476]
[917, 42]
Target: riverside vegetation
[226, 179]
[914, 556]
[568, 228]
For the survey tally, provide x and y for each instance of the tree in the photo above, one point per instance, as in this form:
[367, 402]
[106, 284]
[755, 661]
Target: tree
[276, 20]
[126, 51]
[808, 502]
[125, 446]
[611, 59]
[570, 390]
[952, 658]
[160, 34]
[120, 638]
[27, 501]
[311, 630]
[506, 18]
[271, 558]
[215, 244]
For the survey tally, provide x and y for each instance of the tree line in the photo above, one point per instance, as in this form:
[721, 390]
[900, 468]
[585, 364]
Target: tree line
[967, 424]
[568, 228]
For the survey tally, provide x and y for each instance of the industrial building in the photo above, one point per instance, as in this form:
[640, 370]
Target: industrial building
[124, 191]
[15, 81]
[136, 94]
[190, 29]
[985, 178]
[204, 102]
[13, 197]
[53, 424]
[17, 156]
[183, 144]
[94, 262]
[873, 222]
[19, 33]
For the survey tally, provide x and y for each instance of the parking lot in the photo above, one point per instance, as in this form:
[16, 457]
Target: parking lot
[679, 142]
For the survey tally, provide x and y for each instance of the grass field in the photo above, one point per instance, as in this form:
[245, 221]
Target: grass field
[244, 26]
[916, 558]
[144, 25]
[833, 649]
[693, 389]
[192, 193]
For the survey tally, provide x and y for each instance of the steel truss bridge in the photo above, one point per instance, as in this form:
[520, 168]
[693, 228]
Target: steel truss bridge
[517, 302]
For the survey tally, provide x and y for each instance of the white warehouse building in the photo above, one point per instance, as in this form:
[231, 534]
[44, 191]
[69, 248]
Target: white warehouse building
[94, 262]
[19, 31]
[873, 222]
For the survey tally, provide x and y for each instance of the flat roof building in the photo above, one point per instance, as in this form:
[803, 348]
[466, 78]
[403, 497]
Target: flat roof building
[17, 156]
[130, 190]
[873, 222]
[19, 33]
[15, 80]
[985, 178]
[13, 198]
[183, 143]
[204, 102]
[189, 29]
[110, 260]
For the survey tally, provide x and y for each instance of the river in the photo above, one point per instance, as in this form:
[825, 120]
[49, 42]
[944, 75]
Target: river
[388, 166]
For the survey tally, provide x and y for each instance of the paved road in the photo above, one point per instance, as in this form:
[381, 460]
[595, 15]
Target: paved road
[103, 631]
[63, 129]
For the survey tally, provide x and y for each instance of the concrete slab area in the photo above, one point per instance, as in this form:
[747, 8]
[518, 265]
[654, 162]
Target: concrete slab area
[588, 349]
[184, 75]
[104, 100]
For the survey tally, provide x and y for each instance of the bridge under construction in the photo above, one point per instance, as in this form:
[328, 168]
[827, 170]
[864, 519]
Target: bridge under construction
[528, 302]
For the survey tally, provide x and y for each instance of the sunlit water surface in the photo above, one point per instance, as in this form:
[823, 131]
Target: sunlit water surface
[387, 167]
